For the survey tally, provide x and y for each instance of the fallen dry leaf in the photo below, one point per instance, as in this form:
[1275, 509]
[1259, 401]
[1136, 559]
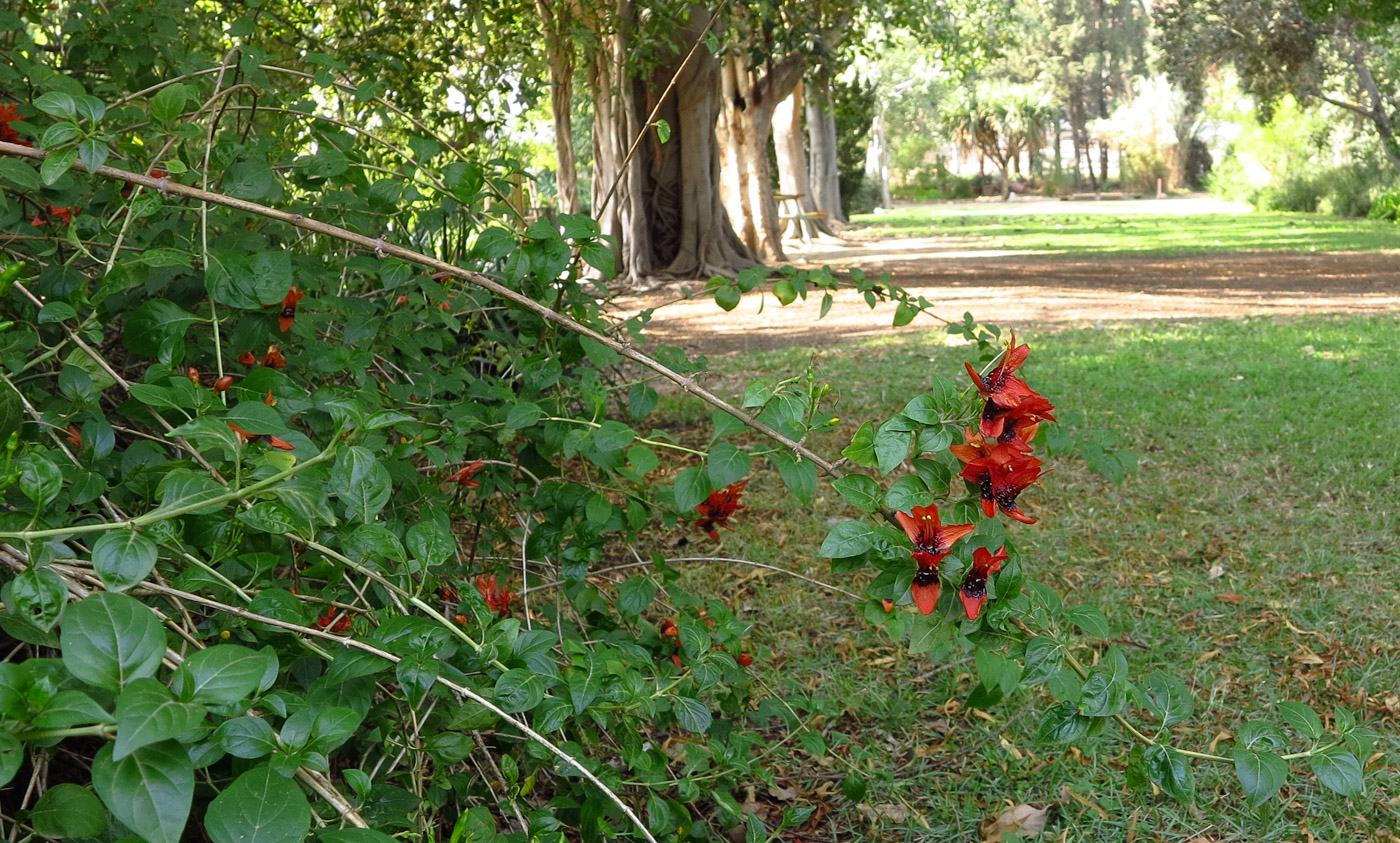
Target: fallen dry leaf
[1216, 571]
[787, 794]
[1023, 820]
[1229, 597]
[887, 812]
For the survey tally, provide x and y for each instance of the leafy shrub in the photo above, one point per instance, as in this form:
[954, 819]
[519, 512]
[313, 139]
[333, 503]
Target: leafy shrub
[1301, 192]
[1386, 206]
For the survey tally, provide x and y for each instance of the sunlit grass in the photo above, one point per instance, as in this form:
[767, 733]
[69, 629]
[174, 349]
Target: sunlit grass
[1254, 556]
[1108, 233]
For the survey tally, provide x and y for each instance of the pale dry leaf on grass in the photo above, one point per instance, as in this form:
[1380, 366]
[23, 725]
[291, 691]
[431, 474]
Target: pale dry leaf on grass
[1022, 820]
[888, 812]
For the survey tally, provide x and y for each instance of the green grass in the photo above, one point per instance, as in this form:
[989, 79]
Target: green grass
[1106, 233]
[1269, 449]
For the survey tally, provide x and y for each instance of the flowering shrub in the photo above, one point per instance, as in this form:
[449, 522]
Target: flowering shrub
[330, 497]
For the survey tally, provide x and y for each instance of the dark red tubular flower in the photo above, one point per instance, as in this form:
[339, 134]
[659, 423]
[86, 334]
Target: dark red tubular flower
[1002, 389]
[974, 585]
[464, 477]
[328, 621]
[250, 438]
[1019, 425]
[289, 309]
[932, 540]
[497, 597]
[274, 358]
[1001, 483]
[717, 508]
[247, 358]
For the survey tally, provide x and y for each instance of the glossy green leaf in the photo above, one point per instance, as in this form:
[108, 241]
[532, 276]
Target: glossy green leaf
[123, 558]
[1167, 697]
[68, 810]
[859, 491]
[149, 791]
[1338, 770]
[693, 715]
[147, 714]
[1261, 774]
[849, 538]
[259, 807]
[1171, 771]
[225, 674]
[111, 639]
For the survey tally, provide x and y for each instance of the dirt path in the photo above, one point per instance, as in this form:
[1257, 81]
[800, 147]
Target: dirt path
[1015, 289]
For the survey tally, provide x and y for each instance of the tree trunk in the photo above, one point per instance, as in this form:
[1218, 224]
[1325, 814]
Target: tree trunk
[794, 179]
[744, 131]
[560, 53]
[1379, 112]
[821, 137]
[877, 158]
[666, 211]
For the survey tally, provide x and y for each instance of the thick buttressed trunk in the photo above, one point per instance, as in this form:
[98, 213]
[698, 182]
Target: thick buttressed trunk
[821, 137]
[745, 128]
[556, 21]
[877, 158]
[665, 211]
[794, 179]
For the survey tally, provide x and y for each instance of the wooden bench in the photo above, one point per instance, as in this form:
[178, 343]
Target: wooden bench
[790, 211]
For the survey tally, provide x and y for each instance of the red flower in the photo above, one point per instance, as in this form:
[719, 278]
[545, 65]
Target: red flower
[449, 594]
[8, 133]
[223, 383]
[329, 620]
[56, 212]
[289, 309]
[247, 358]
[1000, 481]
[932, 540]
[717, 508]
[193, 374]
[74, 437]
[274, 358]
[279, 444]
[1001, 388]
[464, 477]
[497, 598]
[974, 585]
[745, 659]
[1019, 424]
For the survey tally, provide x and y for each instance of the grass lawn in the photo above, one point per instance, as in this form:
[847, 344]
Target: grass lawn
[1269, 454]
[1106, 233]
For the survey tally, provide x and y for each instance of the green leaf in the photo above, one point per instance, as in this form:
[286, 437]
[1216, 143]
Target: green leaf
[11, 757]
[252, 180]
[1167, 698]
[727, 464]
[268, 517]
[38, 595]
[519, 690]
[149, 791]
[523, 415]
[68, 810]
[799, 475]
[904, 313]
[93, 154]
[147, 714]
[57, 104]
[246, 737]
[256, 417]
[859, 491]
[259, 807]
[693, 715]
[692, 488]
[599, 355]
[849, 538]
[111, 639]
[56, 164]
[891, 446]
[599, 256]
[332, 727]
[1338, 770]
[728, 297]
[71, 708]
[182, 488]
[861, 451]
[1261, 774]
[613, 436]
[1302, 718]
[1171, 771]
[123, 558]
[430, 542]
[1062, 724]
[225, 674]
[635, 595]
[169, 102]
[39, 479]
[584, 683]
[1044, 659]
[1105, 692]
[355, 835]
[906, 493]
[1089, 619]
[361, 483]
[19, 174]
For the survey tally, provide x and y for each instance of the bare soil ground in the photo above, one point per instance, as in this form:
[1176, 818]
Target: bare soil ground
[1017, 289]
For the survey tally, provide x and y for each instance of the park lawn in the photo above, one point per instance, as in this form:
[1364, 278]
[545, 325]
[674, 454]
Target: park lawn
[1107, 233]
[1268, 449]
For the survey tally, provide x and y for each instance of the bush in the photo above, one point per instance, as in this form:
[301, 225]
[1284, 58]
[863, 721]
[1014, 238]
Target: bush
[1302, 193]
